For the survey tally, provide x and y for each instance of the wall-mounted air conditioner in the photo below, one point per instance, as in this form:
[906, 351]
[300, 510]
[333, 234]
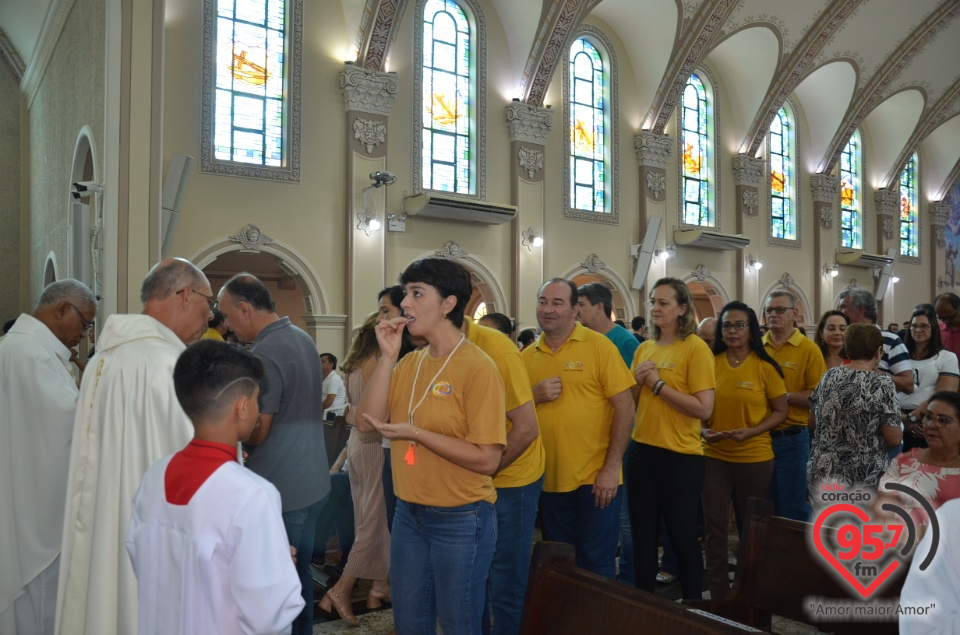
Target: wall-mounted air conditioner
[709, 239]
[856, 258]
[460, 209]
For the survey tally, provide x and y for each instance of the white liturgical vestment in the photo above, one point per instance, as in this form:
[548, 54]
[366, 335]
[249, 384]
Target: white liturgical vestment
[128, 417]
[38, 400]
[215, 560]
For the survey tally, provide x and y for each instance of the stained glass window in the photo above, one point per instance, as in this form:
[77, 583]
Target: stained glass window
[851, 222]
[587, 131]
[696, 154]
[447, 86]
[909, 221]
[250, 74]
[783, 219]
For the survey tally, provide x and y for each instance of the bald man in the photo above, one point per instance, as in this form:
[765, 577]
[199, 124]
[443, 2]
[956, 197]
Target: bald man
[707, 330]
[38, 402]
[128, 417]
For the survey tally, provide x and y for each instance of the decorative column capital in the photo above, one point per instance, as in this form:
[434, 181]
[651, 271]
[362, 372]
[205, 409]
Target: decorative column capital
[887, 202]
[747, 170]
[652, 149]
[938, 212]
[367, 91]
[824, 188]
[529, 124]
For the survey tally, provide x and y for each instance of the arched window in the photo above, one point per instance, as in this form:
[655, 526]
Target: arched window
[450, 117]
[909, 220]
[851, 220]
[590, 113]
[781, 144]
[251, 82]
[696, 155]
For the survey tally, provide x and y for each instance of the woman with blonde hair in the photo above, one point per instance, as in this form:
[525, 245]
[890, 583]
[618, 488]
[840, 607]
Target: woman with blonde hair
[664, 465]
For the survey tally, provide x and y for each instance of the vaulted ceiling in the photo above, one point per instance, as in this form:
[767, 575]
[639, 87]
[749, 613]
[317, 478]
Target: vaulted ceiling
[888, 67]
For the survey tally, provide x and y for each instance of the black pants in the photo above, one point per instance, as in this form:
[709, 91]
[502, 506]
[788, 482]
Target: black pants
[662, 484]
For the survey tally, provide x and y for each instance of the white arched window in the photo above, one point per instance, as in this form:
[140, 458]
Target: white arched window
[251, 89]
[696, 132]
[909, 218]
[851, 188]
[781, 155]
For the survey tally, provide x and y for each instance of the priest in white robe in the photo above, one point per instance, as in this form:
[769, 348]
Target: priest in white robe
[38, 402]
[127, 418]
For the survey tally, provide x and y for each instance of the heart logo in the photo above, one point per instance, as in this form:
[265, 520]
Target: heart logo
[853, 530]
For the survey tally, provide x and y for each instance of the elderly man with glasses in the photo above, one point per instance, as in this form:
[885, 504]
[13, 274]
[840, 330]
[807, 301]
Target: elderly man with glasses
[803, 366]
[38, 401]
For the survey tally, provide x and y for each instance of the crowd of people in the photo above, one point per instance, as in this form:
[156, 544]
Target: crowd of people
[186, 483]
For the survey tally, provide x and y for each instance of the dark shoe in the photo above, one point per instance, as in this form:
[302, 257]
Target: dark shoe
[666, 578]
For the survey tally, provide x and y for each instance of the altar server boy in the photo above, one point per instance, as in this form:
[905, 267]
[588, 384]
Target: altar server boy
[206, 537]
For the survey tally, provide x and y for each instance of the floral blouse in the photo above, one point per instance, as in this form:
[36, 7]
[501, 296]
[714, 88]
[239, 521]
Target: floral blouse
[936, 484]
[850, 406]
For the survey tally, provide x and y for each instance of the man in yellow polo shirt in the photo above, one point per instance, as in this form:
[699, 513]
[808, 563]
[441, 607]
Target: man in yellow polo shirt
[519, 482]
[582, 391]
[803, 366]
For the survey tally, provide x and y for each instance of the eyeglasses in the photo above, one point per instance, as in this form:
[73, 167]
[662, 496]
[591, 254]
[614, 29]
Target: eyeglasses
[919, 327]
[87, 326]
[733, 326]
[779, 310]
[211, 301]
[941, 420]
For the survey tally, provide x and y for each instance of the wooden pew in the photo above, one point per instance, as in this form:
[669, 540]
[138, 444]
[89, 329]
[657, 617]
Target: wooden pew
[776, 570]
[564, 600]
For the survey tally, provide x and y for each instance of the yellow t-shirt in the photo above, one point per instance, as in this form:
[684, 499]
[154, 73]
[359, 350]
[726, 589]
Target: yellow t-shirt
[803, 366]
[575, 427]
[466, 402]
[742, 401]
[685, 365]
[211, 334]
[527, 467]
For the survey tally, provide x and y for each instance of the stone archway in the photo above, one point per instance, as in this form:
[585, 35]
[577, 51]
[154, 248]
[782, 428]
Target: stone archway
[85, 254]
[709, 296]
[593, 269]
[487, 290]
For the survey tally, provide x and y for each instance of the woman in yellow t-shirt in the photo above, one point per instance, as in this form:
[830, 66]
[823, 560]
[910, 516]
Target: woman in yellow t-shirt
[445, 404]
[663, 466]
[751, 400]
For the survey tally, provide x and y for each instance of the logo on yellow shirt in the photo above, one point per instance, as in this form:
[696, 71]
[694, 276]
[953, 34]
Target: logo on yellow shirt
[746, 385]
[573, 366]
[442, 389]
[789, 365]
[667, 365]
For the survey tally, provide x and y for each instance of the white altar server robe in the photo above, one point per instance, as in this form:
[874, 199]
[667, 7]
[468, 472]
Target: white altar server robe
[38, 401]
[219, 564]
[128, 417]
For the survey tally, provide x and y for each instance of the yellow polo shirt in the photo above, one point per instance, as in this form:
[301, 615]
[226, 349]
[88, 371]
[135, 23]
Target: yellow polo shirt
[465, 402]
[802, 364]
[529, 466]
[685, 365]
[575, 427]
[743, 401]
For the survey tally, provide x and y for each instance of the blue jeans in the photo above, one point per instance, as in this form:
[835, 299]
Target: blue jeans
[439, 562]
[574, 518]
[389, 497]
[507, 586]
[626, 540]
[336, 517]
[788, 485]
[301, 526]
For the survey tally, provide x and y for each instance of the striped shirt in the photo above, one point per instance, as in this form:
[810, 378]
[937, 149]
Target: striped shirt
[895, 358]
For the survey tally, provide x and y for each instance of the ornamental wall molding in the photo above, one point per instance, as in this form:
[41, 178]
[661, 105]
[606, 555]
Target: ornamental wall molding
[370, 133]
[824, 187]
[751, 202]
[939, 236]
[656, 183]
[887, 202]
[531, 160]
[826, 216]
[652, 150]
[452, 251]
[786, 280]
[367, 91]
[251, 237]
[938, 213]
[747, 170]
[701, 272]
[529, 124]
[593, 264]
[888, 227]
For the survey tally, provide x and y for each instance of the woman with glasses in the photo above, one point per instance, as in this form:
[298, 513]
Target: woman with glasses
[857, 418]
[663, 465]
[934, 369]
[934, 471]
[829, 337]
[738, 455]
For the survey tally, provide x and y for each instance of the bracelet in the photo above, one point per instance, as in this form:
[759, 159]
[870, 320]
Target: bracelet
[657, 387]
[788, 399]
[416, 434]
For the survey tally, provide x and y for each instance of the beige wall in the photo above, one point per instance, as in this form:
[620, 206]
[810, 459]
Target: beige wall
[10, 139]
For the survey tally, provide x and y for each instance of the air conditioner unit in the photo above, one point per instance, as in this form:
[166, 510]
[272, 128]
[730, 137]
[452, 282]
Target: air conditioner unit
[461, 209]
[856, 258]
[709, 239]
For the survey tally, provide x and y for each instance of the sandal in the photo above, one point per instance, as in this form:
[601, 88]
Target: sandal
[376, 598]
[666, 578]
[331, 601]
